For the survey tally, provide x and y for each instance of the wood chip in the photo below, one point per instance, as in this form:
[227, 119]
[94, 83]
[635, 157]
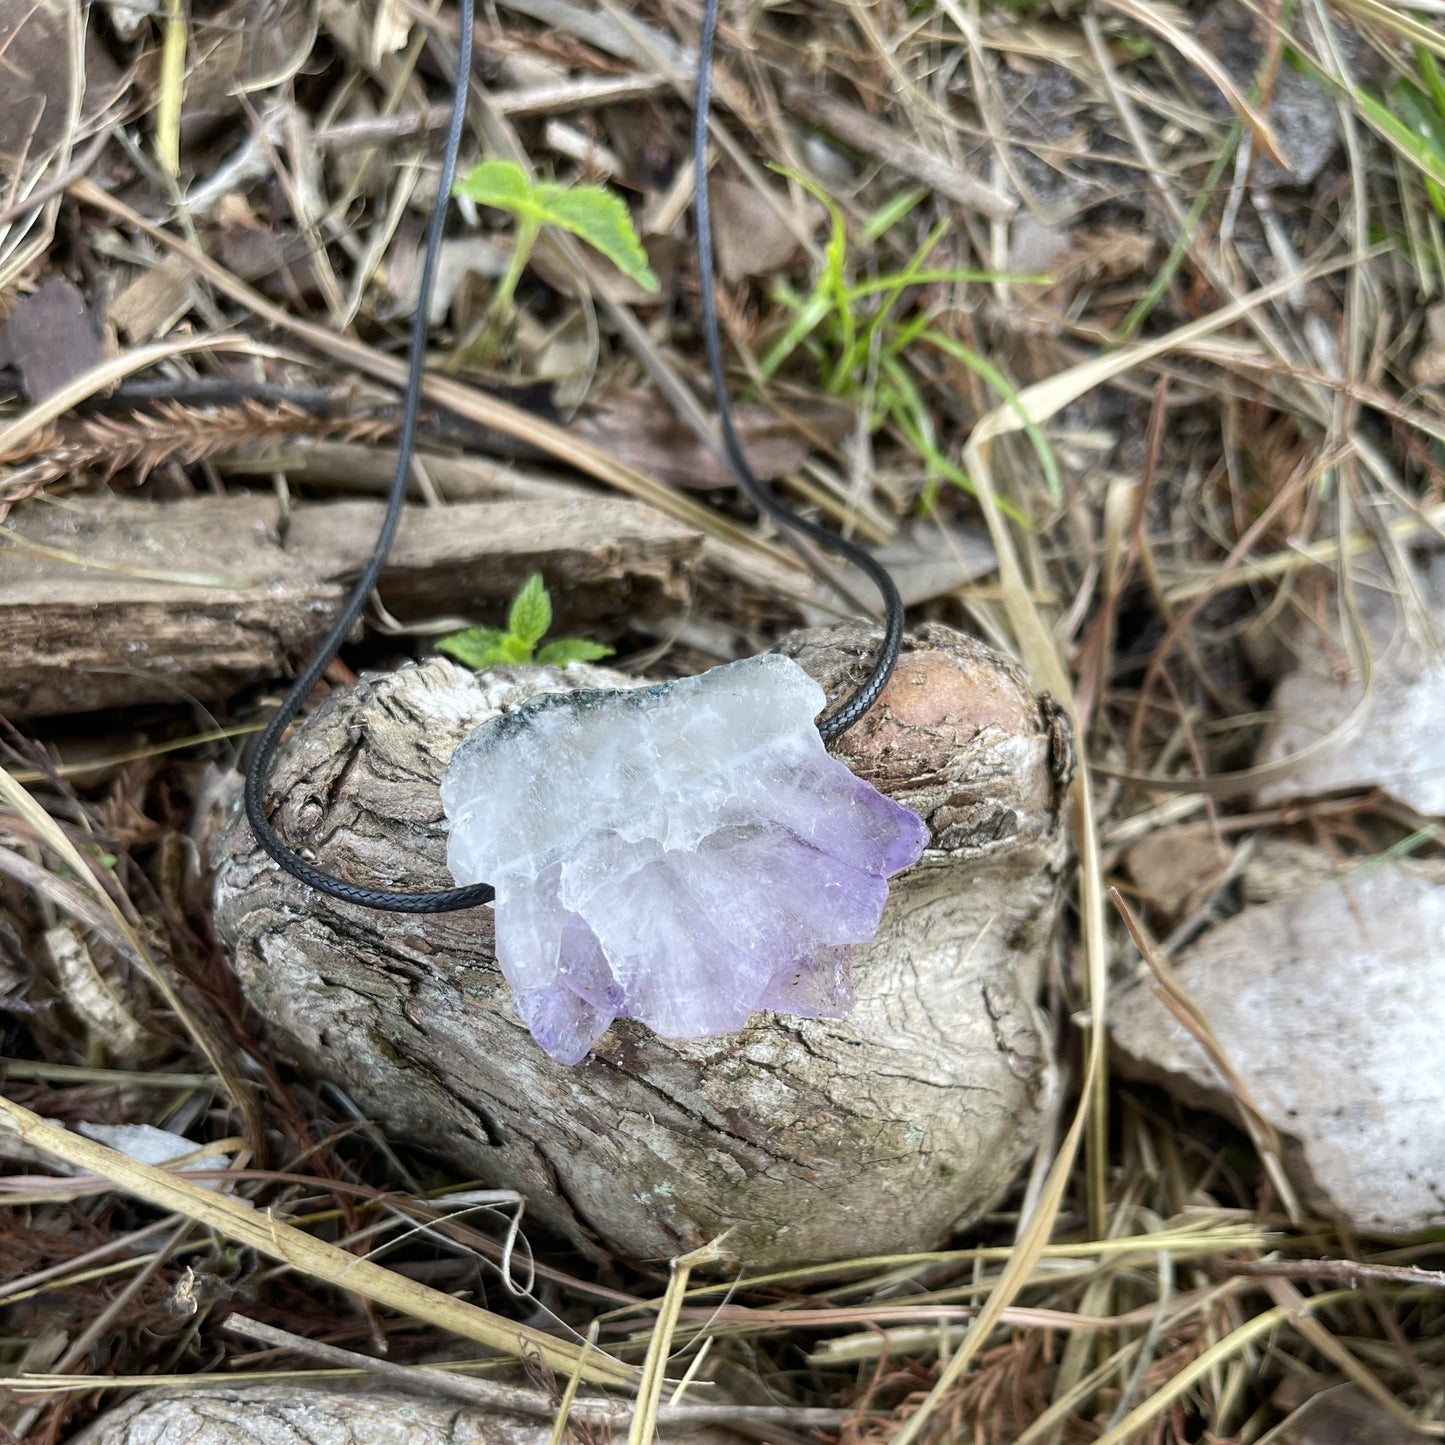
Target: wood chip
[154, 301]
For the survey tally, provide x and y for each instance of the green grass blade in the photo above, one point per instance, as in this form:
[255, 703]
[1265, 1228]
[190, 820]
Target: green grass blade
[1430, 74]
[813, 313]
[853, 359]
[1413, 141]
[888, 215]
[1001, 384]
[863, 289]
[1139, 312]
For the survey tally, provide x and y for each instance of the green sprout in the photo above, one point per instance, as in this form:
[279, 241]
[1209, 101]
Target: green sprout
[527, 623]
[590, 213]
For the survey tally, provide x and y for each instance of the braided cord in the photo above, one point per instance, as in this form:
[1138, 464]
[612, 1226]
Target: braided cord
[260, 768]
[849, 712]
[839, 721]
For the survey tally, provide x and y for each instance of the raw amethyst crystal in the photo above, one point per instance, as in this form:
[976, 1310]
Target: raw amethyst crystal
[680, 854]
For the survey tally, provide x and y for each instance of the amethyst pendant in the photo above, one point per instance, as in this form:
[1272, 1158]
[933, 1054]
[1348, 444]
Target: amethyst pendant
[681, 854]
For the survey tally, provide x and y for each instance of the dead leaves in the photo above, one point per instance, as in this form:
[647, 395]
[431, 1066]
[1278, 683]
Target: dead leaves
[38, 84]
[51, 337]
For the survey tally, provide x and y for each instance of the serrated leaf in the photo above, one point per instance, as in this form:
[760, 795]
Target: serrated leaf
[476, 647]
[602, 220]
[531, 613]
[572, 649]
[499, 183]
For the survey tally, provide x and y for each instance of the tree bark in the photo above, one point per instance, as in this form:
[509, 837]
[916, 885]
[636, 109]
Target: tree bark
[97, 609]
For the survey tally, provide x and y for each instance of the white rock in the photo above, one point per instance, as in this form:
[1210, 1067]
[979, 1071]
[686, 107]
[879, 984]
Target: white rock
[1397, 742]
[148, 1145]
[1331, 1007]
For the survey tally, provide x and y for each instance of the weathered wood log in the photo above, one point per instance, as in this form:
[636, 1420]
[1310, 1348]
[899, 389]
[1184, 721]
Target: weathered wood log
[312, 1415]
[133, 627]
[809, 1139]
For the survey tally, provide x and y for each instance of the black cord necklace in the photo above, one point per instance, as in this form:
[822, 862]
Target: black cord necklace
[837, 722]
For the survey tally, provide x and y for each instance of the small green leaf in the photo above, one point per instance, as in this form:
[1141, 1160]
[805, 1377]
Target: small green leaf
[499, 183]
[531, 613]
[572, 649]
[476, 647]
[601, 219]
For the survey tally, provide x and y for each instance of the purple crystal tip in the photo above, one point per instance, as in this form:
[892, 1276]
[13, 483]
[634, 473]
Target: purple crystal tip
[680, 854]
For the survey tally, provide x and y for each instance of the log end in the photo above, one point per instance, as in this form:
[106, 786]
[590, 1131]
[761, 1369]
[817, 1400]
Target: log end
[807, 1139]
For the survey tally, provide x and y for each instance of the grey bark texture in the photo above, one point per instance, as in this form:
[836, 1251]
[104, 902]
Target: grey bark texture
[120, 631]
[288, 1415]
[808, 1139]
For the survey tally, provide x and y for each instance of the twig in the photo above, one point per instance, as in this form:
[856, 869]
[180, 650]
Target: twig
[531, 100]
[66, 178]
[1342, 1271]
[533, 1404]
[873, 138]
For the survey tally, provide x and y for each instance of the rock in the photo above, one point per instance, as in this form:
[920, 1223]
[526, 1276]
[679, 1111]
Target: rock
[1302, 113]
[1331, 1011]
[1049, 113]
[1396, 742]
[1034, 245]
[688, 854]
[297, 1415]
[810, 1138]
[1280, 868]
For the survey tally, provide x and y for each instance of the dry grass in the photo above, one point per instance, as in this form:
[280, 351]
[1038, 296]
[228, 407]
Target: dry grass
[1180, 402]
